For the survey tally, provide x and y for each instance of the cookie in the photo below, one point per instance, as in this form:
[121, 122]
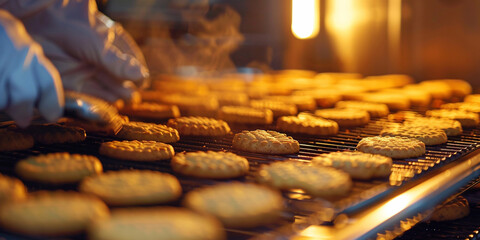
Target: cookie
[427, 134]
[358, 164]
[467, 119]
[199, 126]
[237, 204]
[460, 88]
[449, 126]
[374, 109]
[58, 168]
[148, 131]
[345, 117]
[472, 98]
[11, 189]
[189, 105]
[11, 140]
[438, 90]
[394, 101]
[463, 106]
[315, 180]
[401, 116]
[137, 150]
[307, 124]
[394, 147]
[132, 187]
[97, 128]
[210, 164]
[265, 141]
[303, 103]
[453, 210]
[324, 97]
[52, 214]
[246, 115]
[54, 133]
[278, 108]
[228, 98]
[156, 223]
[150, 110]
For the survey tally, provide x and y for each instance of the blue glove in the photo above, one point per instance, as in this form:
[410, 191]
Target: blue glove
[93, 54]
[28, 80]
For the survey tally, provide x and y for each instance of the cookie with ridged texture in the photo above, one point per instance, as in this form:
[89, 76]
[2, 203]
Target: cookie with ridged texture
[237, 204]
[245, 115]
[58, 168]
[265, 141]
[467, 119]
[150, 110]
[455, 209]
[345, 117]
[472, 98]
[149, 132]
[156, 223]
[277, 107]
[303, 103]
[13, 141]
[52, 213]
[394, 147]
[307, 124]
[394, 101]
[137, 150]
[54, 133]
[315, 180]
[199, 126]
[464, 106]
[449, 126]
[359, 165]
[427, 134]
[210, 164]
[11, 189]
[374, 109]
[133, 187]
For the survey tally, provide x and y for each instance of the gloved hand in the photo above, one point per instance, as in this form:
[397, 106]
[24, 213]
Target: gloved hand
[28, 80]
[93, 54]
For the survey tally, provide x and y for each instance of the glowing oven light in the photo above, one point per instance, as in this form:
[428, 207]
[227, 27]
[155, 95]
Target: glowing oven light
[305, 18]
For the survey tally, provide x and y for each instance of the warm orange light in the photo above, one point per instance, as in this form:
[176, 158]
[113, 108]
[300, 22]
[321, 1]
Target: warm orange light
[342, 15]
[305, 18]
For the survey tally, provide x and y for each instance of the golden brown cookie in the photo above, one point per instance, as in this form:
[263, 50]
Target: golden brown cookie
[314, 180]
[11, 140]
[150, 110]
[265, 141]
[58, 168]
[11, 189]
[148, 131]
[137, 150]
[52, 133]
[394, 101]
[463, 106]
[345, 117]
[229, 98]
[374, 109]
[232, 203]
[358, 164]
[246, 115]
[199, 126]
[155, 223]
[449, 126]
[189, 105]
[459, 88]
[52, 213]
[133, 187]
[394, 147]
[324, 97]
[427, 134]
[455, 209]
[472, 98]
[467, 119]
[277, 107]
[210, 164]
[307, 124]
[303, 103]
